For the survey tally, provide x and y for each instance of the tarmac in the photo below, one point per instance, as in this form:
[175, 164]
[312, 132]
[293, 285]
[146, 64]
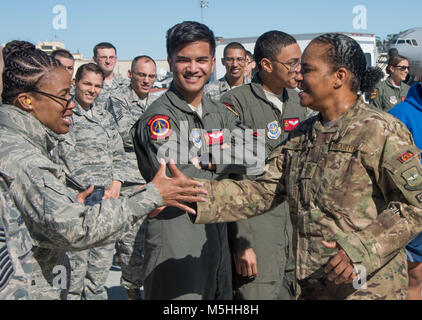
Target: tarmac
[114, 290]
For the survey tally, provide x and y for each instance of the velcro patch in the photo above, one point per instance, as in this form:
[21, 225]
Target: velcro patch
[159, 127]
[290, 124]
[216, 137]
[230, 108]
[413, 179]
[343, 147]
[406, 156]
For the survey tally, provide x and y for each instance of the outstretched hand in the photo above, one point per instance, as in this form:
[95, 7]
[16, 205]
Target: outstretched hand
[178, 189]
[340, 267]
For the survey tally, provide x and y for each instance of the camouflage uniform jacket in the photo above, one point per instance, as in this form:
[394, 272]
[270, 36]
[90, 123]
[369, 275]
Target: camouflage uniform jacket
[126, 108]
[215, 89]
[358, 182]
[385, 96]
[266, 234]
[182, 261]
[15, 250]
[37, 185]
[110, 88]
[93, 151]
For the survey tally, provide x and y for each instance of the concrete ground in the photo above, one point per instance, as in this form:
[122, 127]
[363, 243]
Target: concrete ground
[114, 290]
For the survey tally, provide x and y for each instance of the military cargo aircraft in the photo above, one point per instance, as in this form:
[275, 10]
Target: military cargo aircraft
[409, 44]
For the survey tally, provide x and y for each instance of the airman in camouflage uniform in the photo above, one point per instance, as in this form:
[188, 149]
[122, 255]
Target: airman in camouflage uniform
[357, 182]
[56, 221]
[127, 106]
[234, 60]
[93, 153]
[105, 56]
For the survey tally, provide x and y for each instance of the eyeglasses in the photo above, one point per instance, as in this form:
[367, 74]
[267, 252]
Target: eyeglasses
[232, 60]
[291, 66]
[144, 75]
[402, 68]
[68, 101]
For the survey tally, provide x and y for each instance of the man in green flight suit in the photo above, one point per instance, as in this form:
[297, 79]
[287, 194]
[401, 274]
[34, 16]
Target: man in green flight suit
[262, 246]
[182, 260]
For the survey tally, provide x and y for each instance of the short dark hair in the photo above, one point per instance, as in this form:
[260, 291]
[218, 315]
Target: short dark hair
[270, 44]
[62, 53]
[393, 61]
[343, 51]
[250, 55]
[234, 45]
[136, 59]
[24, 67]
[187, 32]
[104, 45]
[88, 67]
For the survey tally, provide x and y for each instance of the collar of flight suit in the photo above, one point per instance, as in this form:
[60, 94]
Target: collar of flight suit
[256, 85]
[33, 130]
[177, 100]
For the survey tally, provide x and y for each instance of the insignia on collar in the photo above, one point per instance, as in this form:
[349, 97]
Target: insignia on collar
[374, 94]
[274, 130]
[196, 138]
[406, 156]
[230, 108]
[159, 127]
[290, 124]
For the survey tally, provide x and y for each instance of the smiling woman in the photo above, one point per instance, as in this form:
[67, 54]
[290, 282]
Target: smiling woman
[36, 108]
[352, 176]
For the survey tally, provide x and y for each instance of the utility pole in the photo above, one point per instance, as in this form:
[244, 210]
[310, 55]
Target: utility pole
[204, 5]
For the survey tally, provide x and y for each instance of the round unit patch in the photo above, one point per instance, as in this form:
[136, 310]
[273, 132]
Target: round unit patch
[159, 127]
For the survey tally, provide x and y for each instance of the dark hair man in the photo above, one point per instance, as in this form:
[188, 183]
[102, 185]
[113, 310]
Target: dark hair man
[268, 102]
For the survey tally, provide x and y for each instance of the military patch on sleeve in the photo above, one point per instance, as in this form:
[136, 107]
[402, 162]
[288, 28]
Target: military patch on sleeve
[406, 156]
[419, 197]
[159, 127]
[413, 179]
[230, 108]
[374, 94]
[290, 124]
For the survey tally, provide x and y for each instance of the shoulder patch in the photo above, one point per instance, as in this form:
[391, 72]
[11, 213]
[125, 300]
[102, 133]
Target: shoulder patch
[159, 127]
[374, 94]
[413, 179]
[230, 108]
[406, 156]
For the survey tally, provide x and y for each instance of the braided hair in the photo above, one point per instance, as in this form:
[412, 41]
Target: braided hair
[24, 67]
[343, 51]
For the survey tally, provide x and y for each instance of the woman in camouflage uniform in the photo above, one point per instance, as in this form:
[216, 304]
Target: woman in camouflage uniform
[36, 108]
[353, 179]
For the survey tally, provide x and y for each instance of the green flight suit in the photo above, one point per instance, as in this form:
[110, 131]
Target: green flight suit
[182, 260]
[269, 235]
[386, 95]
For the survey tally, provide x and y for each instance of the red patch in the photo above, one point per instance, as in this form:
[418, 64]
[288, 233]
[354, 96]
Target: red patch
[290, 124]
[159, 126]
[406, 156]
[403, 98]
[216, 137]
[232, 110]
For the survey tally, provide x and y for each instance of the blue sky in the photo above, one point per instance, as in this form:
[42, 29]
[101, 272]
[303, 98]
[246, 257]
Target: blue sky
[139, 26]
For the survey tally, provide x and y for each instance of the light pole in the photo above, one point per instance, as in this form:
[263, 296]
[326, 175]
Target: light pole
[204, 5]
